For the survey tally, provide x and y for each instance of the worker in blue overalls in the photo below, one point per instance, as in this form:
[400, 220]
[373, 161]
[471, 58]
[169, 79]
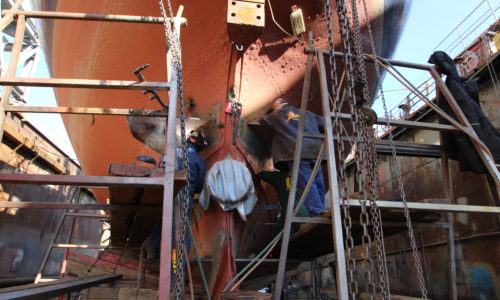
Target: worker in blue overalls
[284, 120]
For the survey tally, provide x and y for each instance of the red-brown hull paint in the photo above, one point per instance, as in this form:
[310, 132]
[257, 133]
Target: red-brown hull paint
[271, 67]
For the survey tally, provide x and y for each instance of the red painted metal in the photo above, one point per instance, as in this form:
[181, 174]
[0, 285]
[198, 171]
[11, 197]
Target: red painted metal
[269, 68]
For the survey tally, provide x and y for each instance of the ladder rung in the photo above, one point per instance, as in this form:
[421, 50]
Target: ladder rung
[87, 216]
[77, 206]
[81, 180]
[314, 135]
[311, 220]
[85, 83]
[89, 17]
[404, 123]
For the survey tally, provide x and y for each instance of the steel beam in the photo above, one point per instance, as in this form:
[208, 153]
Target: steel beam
[56, 288]
[311, 220]
[435, 207]
[416, 125]
[80, 180]
[80, 246]
[78, 206]
[168, 179]
[87, 216]
[85, 83]
[87, 110]
[403, 123]
[397, 63]
[97, 111]
[89, 17]
[280, 276]
[7, 19]
[334, 195]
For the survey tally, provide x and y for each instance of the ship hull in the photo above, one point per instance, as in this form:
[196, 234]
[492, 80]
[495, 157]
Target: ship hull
[270, 67]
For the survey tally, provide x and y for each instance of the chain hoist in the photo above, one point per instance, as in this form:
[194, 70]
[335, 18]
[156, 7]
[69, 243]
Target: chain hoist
[174, 45]
[397, 165]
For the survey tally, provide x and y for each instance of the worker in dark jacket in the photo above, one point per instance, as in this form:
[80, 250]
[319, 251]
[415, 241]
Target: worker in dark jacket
[284, 120]
[197, 167]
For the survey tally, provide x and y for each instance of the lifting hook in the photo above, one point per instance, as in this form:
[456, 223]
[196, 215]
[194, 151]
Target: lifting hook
[137, 73]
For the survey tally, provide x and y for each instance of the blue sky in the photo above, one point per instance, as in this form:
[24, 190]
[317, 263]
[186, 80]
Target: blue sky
[428, 23]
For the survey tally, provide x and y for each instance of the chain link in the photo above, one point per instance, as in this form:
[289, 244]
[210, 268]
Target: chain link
[344, 184]
[358, 129]
[174, 45]
[397, 165]
[368, 145]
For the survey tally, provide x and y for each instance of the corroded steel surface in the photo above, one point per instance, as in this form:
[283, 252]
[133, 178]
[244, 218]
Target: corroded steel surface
[268, 68]
[25, 233]
[477, 239]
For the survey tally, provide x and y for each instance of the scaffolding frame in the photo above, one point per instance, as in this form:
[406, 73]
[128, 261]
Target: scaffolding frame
[9, 81]
[168, 180]
[334, 197]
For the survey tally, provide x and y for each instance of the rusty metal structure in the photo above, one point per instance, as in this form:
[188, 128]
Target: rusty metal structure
[168, 181]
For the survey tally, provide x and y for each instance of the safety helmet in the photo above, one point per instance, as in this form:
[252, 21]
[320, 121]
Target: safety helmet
[197, 139]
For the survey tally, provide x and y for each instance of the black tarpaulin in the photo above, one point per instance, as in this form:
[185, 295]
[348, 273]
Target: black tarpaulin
[458, 146]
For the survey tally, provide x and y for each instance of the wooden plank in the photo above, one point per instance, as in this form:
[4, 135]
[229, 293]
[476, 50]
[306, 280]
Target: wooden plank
[85, 83]
[57, 287]
[17, 133]
[89, 17]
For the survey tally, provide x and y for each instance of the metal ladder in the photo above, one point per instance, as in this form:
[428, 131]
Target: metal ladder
[334, 195]
[338, 240]
[171, 85]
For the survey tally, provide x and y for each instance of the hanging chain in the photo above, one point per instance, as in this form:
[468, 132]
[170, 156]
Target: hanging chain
[397, 166]
[357, 127]
[368, 143]
[176, 52]
[347, 221]
[235, 113]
